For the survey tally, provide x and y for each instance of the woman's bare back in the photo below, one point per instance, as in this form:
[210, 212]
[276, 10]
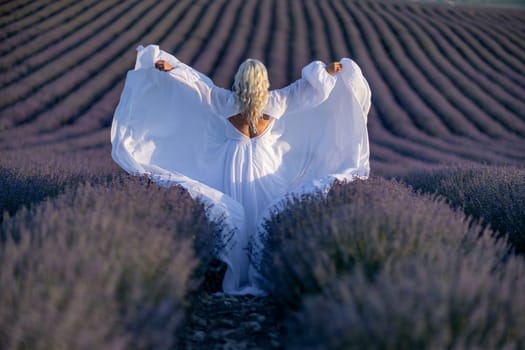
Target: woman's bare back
[240, 123]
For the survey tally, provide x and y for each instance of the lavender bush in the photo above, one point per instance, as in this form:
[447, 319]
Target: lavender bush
[375, 265]
[494, 195]
[361, 224]
[27, 178]
[29, 184]
[448, 299]
[101, 267]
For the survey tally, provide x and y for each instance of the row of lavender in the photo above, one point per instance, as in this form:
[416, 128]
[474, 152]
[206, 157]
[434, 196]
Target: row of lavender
[448, 83]
[94, 259]
[376, 256]
[375, 265]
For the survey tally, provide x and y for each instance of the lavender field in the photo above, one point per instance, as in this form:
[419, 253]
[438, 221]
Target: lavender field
[428, 253]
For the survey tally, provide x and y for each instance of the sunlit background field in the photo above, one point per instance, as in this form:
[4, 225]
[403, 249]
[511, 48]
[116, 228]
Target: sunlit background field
[426, 254]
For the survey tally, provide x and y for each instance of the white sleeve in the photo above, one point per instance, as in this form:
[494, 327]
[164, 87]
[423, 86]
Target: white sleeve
[220, 100]
[313, 88]
[354, 78]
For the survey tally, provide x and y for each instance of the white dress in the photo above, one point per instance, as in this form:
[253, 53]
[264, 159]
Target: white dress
[173, 127]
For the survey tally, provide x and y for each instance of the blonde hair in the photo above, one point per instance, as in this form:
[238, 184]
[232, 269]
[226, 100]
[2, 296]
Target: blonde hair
[251, 91]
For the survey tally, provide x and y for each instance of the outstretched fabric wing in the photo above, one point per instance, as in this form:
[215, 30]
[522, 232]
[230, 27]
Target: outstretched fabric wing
[173, 127]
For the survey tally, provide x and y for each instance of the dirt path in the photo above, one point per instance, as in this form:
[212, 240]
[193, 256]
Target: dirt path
[220, 321]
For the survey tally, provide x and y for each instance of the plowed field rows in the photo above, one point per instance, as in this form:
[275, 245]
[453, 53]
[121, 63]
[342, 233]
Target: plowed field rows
[448, 82]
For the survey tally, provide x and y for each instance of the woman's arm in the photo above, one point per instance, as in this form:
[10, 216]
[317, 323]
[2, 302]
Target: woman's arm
[313, 88]
[309, 91]
[217, 98]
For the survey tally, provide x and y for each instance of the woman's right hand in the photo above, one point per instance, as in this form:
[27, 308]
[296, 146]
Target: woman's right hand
[163, 65]
[334, 67]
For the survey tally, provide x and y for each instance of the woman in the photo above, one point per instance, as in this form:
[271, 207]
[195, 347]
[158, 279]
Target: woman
[251, 94]
[242, 151]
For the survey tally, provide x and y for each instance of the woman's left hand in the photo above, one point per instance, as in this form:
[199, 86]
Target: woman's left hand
[334, 67]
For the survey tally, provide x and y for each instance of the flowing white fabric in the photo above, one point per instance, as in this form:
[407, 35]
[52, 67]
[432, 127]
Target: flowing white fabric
[173, 126]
